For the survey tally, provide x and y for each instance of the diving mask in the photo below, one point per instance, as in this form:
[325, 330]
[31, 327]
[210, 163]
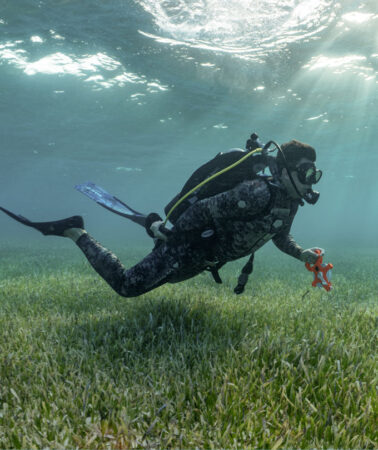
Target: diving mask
[308, 173]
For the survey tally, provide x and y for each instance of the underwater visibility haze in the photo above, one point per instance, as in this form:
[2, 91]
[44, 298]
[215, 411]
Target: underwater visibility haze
[135, 95]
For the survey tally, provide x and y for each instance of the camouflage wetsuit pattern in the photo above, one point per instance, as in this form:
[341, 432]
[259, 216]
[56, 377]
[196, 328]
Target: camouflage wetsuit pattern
[243, 219]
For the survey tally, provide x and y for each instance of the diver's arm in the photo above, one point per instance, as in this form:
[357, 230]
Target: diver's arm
[242, 202]
[286, 243]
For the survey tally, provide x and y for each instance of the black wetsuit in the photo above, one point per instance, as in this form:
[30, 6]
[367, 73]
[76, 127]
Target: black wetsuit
[243, 220]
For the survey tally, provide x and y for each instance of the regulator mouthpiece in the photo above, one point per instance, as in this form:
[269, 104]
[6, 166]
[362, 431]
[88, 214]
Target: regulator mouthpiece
[311, 197]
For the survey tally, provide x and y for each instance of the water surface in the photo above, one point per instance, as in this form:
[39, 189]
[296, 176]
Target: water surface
[134, 95]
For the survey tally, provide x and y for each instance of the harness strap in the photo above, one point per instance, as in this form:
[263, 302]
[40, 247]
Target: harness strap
[215, 273]
[243, 277]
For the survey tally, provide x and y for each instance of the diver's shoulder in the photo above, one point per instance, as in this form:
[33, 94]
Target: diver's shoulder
[258, 187]
[260, 183]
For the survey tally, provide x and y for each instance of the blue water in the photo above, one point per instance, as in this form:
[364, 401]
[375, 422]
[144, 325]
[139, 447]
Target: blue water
[135, 95]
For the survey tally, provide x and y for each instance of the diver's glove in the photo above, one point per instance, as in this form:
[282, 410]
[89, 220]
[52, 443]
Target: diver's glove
[155, 227]
[310, 256]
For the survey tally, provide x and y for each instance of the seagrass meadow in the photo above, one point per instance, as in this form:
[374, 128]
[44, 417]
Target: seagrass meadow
[189, 365]
[135, 96]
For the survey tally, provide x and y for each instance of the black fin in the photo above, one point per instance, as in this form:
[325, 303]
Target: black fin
[53, 228]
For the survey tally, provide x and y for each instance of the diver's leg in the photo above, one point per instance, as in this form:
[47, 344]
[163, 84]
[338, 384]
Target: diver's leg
[163, 264]
[151, 272]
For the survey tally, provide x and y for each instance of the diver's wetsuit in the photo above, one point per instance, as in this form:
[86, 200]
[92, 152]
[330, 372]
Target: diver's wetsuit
[243, 219]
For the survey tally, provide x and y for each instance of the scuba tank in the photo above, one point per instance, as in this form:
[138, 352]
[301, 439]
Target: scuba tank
[248, 169]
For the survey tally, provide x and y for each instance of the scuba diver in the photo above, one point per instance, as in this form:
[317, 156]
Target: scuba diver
[224, 212]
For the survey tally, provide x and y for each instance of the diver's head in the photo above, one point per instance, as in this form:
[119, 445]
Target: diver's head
[297, 170]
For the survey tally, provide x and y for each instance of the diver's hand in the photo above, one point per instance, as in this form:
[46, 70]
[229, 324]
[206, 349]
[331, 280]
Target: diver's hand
[153, 222]
[310, 256]
[157, 228]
